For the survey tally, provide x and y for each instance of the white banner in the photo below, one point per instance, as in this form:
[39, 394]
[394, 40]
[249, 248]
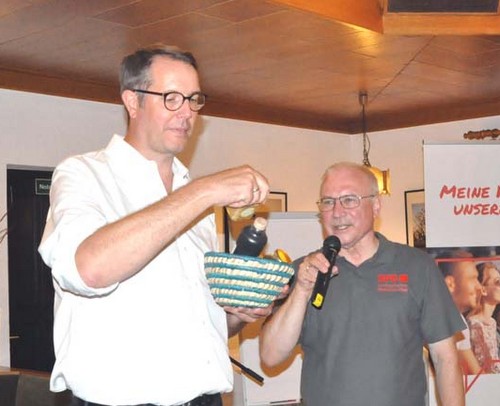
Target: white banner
[462, 194]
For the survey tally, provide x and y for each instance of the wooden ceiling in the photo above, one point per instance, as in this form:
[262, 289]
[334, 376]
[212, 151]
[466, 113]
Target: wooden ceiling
[298, 63]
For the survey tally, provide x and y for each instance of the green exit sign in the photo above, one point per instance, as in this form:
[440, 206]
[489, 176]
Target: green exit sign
[42, 186]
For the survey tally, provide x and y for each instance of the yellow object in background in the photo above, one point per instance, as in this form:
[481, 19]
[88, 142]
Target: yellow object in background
[282, 256]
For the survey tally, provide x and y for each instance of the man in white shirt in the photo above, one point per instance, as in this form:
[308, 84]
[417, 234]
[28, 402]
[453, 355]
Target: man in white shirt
[127, 229]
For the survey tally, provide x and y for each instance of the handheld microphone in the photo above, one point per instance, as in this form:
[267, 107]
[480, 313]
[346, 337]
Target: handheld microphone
[331, 247]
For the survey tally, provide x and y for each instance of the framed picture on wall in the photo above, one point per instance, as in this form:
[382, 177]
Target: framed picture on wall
[415, 217]
[276, 201]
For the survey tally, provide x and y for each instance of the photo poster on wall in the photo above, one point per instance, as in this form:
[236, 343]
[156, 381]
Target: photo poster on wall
[297, 233]
[462, 215]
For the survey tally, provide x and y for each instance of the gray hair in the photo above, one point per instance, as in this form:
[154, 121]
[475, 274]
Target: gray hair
[135, 68]
[354, 166]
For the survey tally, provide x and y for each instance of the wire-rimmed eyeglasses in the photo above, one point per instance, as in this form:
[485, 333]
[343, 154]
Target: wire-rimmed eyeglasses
[346, 201]
[173, 101]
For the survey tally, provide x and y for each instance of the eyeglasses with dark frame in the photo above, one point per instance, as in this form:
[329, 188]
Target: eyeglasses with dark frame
[346, 201]
[173, 101]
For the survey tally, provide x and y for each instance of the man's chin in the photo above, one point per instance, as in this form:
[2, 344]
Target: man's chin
[178, 144]
[178, 149]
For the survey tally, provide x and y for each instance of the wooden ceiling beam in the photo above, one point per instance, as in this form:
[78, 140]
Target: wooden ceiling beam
[372, 15]
[441, 24]
[362, 13]
[37, 83]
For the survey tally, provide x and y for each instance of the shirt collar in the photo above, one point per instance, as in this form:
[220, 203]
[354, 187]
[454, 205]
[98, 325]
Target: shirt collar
[134, 164]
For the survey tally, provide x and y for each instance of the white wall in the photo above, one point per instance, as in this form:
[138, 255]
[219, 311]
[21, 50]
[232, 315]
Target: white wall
[38, 130]
[292, 159]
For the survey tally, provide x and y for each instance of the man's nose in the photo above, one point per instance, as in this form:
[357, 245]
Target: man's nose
[185, 109]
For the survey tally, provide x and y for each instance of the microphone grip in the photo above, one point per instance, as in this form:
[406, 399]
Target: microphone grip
[331, 247]
[321, 287]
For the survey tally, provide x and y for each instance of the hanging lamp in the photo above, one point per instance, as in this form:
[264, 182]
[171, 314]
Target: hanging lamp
[383, 177]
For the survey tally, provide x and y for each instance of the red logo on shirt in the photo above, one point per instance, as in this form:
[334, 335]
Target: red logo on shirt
[393, 282]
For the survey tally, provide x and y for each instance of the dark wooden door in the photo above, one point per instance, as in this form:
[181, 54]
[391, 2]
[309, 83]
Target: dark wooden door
[31, 293]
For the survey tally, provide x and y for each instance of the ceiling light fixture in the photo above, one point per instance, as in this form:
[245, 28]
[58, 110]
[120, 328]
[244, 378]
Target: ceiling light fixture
[383, 177]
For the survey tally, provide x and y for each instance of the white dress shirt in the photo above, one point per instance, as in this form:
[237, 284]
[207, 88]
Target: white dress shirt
[158, 337]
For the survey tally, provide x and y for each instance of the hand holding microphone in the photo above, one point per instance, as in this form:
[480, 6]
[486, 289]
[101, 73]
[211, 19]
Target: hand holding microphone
[331, 247]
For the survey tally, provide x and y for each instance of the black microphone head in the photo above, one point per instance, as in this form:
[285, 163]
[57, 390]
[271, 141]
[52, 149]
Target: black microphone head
[331, 246]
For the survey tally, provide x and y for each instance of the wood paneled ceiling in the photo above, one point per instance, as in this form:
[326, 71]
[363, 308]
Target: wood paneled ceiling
[298, 63]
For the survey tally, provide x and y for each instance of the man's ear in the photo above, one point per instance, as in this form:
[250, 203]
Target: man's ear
[377, 204]
[450, 282]
[131, 102]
